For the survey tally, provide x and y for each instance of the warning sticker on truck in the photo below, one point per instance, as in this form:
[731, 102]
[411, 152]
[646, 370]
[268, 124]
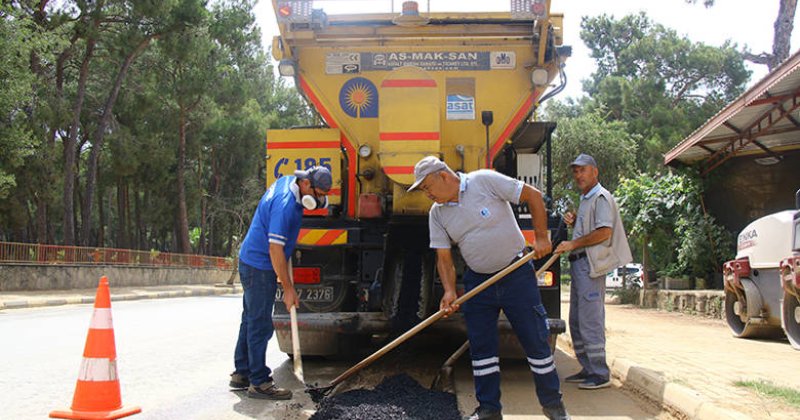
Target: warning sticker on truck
[342, 63]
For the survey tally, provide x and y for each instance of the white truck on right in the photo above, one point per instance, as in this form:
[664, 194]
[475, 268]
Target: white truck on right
[762, 285]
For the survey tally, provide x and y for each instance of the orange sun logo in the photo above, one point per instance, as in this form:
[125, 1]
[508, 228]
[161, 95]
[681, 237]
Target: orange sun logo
[358, 98]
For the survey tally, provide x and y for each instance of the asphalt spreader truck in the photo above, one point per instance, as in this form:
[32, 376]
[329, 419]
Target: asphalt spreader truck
[389, 88]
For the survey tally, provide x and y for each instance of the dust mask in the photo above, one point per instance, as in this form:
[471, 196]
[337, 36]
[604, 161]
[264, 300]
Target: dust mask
[312, 203]
[309, 202]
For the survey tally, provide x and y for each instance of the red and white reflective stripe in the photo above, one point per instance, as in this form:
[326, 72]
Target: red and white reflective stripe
[97, 370]
[101, 319]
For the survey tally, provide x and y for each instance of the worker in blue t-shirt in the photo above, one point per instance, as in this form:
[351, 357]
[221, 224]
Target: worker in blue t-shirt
[263, 259]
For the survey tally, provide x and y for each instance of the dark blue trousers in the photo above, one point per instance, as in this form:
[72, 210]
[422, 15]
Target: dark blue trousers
[256, 327]
[518, 296]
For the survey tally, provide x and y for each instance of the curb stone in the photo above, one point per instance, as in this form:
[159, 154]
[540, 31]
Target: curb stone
[680, 398]
[75, 300]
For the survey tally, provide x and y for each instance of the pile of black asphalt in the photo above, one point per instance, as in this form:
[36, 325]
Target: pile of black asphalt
[396, 397]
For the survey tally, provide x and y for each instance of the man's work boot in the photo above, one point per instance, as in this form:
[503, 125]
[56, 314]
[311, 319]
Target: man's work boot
[578, 377]
[239, 381]
[556, 412]
[485, 414]
[268, 391]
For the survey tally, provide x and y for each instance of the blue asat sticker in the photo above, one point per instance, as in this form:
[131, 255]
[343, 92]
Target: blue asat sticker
[485, 213]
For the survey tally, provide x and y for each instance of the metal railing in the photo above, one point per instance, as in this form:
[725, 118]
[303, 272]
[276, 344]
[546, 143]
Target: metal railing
[39, 254]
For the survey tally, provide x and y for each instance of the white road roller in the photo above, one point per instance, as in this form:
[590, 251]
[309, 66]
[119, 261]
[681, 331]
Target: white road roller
[762, 285]
[790, 279]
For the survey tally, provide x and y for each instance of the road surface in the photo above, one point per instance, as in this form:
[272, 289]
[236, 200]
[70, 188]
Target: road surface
[174, 357]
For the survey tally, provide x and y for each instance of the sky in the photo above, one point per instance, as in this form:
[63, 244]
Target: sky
[744, 22]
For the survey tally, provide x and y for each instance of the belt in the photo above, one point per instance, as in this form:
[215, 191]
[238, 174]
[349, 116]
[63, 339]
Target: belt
[576, 257]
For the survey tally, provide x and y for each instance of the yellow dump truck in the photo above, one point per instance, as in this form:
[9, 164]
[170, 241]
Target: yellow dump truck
[392, 87]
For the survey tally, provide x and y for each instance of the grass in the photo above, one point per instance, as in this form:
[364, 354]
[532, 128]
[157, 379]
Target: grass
[766, 388]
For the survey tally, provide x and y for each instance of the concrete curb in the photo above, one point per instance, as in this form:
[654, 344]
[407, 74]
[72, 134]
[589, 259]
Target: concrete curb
[76, 300]
[682, 399]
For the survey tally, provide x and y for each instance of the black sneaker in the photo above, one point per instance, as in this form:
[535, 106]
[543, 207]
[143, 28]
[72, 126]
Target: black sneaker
[268, 391]
[556, 412]
[595, 382]
[578, 377]
[485, 414]
[239, 381]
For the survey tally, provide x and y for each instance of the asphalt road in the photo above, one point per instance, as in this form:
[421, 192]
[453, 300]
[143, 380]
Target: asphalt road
[174, 357]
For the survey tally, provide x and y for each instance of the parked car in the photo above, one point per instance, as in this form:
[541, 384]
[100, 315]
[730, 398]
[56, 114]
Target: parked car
[632, 273]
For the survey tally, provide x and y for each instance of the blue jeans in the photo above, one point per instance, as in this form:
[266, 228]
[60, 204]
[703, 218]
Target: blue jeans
[518, 296]
[256, 328]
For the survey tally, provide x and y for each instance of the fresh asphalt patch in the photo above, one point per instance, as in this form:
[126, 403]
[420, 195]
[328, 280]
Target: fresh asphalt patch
[397, 397]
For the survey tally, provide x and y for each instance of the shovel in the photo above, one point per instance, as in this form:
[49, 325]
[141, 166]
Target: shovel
[298, 359]
[318, 393]
[444, 379]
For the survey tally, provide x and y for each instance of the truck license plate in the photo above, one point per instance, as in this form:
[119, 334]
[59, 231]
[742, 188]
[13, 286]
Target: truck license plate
[309, 294]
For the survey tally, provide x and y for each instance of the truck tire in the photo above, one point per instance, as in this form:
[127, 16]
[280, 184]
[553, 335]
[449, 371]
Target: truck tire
[407, 289]
[790, 318]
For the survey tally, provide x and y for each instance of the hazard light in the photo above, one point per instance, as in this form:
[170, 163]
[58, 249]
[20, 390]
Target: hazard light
[528, 9]
[306, 275]
[294, 11]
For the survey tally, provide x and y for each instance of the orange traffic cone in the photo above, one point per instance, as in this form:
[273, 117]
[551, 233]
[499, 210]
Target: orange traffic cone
[97, 393]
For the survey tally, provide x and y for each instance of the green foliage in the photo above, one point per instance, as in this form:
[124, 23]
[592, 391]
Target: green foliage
[661, 84]
[204, 62]
[663, 212]
[17, 42]
[610, 142]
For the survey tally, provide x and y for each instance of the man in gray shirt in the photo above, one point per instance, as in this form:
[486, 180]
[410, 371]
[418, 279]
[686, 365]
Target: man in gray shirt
[473, 211]
[598, 246]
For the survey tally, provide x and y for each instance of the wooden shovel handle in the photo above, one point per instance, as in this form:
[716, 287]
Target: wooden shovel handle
[440, 313]
[298, 358]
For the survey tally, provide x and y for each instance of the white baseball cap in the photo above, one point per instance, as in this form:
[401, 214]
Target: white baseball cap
[425, 167]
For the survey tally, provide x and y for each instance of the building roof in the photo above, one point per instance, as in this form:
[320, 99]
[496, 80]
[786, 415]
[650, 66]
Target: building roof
[763, 122]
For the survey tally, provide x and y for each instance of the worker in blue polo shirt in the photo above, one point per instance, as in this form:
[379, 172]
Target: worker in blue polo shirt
[473, 211]
[263, 259]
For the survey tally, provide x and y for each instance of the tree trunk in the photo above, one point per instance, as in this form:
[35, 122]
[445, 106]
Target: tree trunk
[203, 246]
[69, 146]
[183, 218]
[99, 136]
[784, 25]
[101, 214]
[781, 41]
[122, 216]
[137, 208]
[41, 220]
[646, 274]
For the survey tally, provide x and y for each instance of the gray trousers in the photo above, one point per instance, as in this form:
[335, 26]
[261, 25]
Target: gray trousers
[587, 318]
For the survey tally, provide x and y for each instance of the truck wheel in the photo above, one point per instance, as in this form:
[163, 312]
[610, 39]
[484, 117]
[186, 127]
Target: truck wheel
[744, 315]
[791, 319]
[406, 289]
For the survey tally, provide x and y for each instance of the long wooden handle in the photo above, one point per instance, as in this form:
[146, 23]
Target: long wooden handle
[298, 358]
[440, 313]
